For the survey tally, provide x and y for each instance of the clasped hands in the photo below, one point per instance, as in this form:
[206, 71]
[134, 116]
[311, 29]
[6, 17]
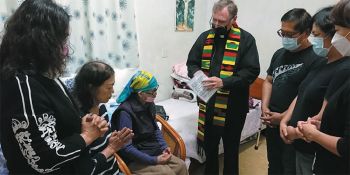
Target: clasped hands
[164, 157]
[269, 118]
[306, 130]
[94, 126]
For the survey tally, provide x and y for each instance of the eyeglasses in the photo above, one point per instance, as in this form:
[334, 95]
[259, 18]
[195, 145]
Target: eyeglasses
[152, 92]
[218, 22]
[282, 33]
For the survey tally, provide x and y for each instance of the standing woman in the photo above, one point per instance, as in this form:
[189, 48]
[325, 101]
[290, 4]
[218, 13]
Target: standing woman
[333, 133]
[93, 86]
[42, 130]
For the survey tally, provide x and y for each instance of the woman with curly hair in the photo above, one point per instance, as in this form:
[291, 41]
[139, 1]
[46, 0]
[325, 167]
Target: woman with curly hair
[42, 130]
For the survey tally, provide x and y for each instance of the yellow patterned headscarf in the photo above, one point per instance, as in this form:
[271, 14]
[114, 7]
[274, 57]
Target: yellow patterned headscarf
[141, 81]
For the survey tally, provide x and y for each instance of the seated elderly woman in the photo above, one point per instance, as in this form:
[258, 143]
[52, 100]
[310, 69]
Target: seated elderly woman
[93, 86]
[148, 151]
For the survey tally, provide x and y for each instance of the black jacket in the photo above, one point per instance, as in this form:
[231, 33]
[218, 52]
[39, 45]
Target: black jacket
[41, 127]
[246, 70]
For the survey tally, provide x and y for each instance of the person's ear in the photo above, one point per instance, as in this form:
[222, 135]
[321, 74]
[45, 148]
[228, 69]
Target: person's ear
[234, 19]
[304, 36]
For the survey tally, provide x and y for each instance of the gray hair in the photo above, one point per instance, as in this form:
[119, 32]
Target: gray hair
[231, 7]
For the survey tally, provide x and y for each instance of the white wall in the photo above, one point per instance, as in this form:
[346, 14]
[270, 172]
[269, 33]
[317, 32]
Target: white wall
[161, 47]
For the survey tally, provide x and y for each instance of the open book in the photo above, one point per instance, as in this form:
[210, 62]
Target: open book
[196, 84]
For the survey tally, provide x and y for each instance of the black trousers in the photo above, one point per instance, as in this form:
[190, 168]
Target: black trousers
[281, 156]
[230, 135]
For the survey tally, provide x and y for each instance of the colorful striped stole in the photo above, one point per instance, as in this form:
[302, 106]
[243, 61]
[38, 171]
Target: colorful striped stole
[221, 96]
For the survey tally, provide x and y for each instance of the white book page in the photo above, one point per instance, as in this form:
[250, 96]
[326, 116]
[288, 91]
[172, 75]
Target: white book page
[196, 84]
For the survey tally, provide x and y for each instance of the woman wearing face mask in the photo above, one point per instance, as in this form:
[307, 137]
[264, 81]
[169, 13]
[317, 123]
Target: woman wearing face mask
[148, 152]
[319, 84]
[333, 132]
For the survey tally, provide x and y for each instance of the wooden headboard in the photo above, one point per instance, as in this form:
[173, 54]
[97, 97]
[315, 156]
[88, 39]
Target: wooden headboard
[255, 89]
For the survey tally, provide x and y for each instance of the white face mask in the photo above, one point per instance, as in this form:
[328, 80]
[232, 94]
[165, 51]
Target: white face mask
[341, 44]
[150, 99]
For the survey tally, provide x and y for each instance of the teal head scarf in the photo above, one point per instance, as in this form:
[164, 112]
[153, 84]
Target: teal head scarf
[141, 81]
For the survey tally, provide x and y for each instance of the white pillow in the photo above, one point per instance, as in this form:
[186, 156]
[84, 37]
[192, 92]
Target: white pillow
[122, 77]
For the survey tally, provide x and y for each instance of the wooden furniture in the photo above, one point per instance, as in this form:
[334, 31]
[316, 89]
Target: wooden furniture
[255, 89]
[172, 138]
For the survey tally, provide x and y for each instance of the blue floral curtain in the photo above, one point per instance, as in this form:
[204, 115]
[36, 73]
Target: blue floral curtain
[99, 30]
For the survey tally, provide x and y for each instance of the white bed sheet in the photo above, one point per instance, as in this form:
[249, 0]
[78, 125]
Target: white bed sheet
[183, 118]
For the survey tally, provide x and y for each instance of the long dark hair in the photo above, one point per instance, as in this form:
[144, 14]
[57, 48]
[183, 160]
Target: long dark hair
[91, 76]
[33, 39]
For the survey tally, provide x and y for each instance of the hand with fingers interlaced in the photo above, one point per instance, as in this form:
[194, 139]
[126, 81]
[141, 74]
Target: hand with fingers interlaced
[309, 128]
[93, 127]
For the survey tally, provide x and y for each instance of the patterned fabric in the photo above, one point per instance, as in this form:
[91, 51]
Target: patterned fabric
[141, 81]
[227, 66]
[3, 168]
[99, 30]
[69, 83]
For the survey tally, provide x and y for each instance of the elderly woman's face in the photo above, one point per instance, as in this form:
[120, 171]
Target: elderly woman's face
[105, 91]
[148, 96]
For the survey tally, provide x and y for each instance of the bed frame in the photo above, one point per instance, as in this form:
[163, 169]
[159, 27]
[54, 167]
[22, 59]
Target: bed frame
[255, 91]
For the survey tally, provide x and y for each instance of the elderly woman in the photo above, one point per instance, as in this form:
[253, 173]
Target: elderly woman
[148, 152]
[333, 136]
[42, 130]
[93, 86]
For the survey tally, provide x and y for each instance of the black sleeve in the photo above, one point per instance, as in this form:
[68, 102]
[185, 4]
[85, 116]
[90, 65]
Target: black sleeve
[249, 66]
[34, 127]
[338, 79]
[273, 59]
[270, 69]
[195, 55]
[343, 144]
[92, 165]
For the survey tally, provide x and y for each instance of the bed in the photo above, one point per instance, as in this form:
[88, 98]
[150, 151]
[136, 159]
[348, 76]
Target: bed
[183, 118]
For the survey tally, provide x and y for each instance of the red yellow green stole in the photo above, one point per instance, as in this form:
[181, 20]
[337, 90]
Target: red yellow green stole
[221, 96]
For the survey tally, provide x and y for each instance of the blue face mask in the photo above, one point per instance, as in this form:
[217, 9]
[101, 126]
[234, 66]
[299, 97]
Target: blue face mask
[290, 44]
[317, 43]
